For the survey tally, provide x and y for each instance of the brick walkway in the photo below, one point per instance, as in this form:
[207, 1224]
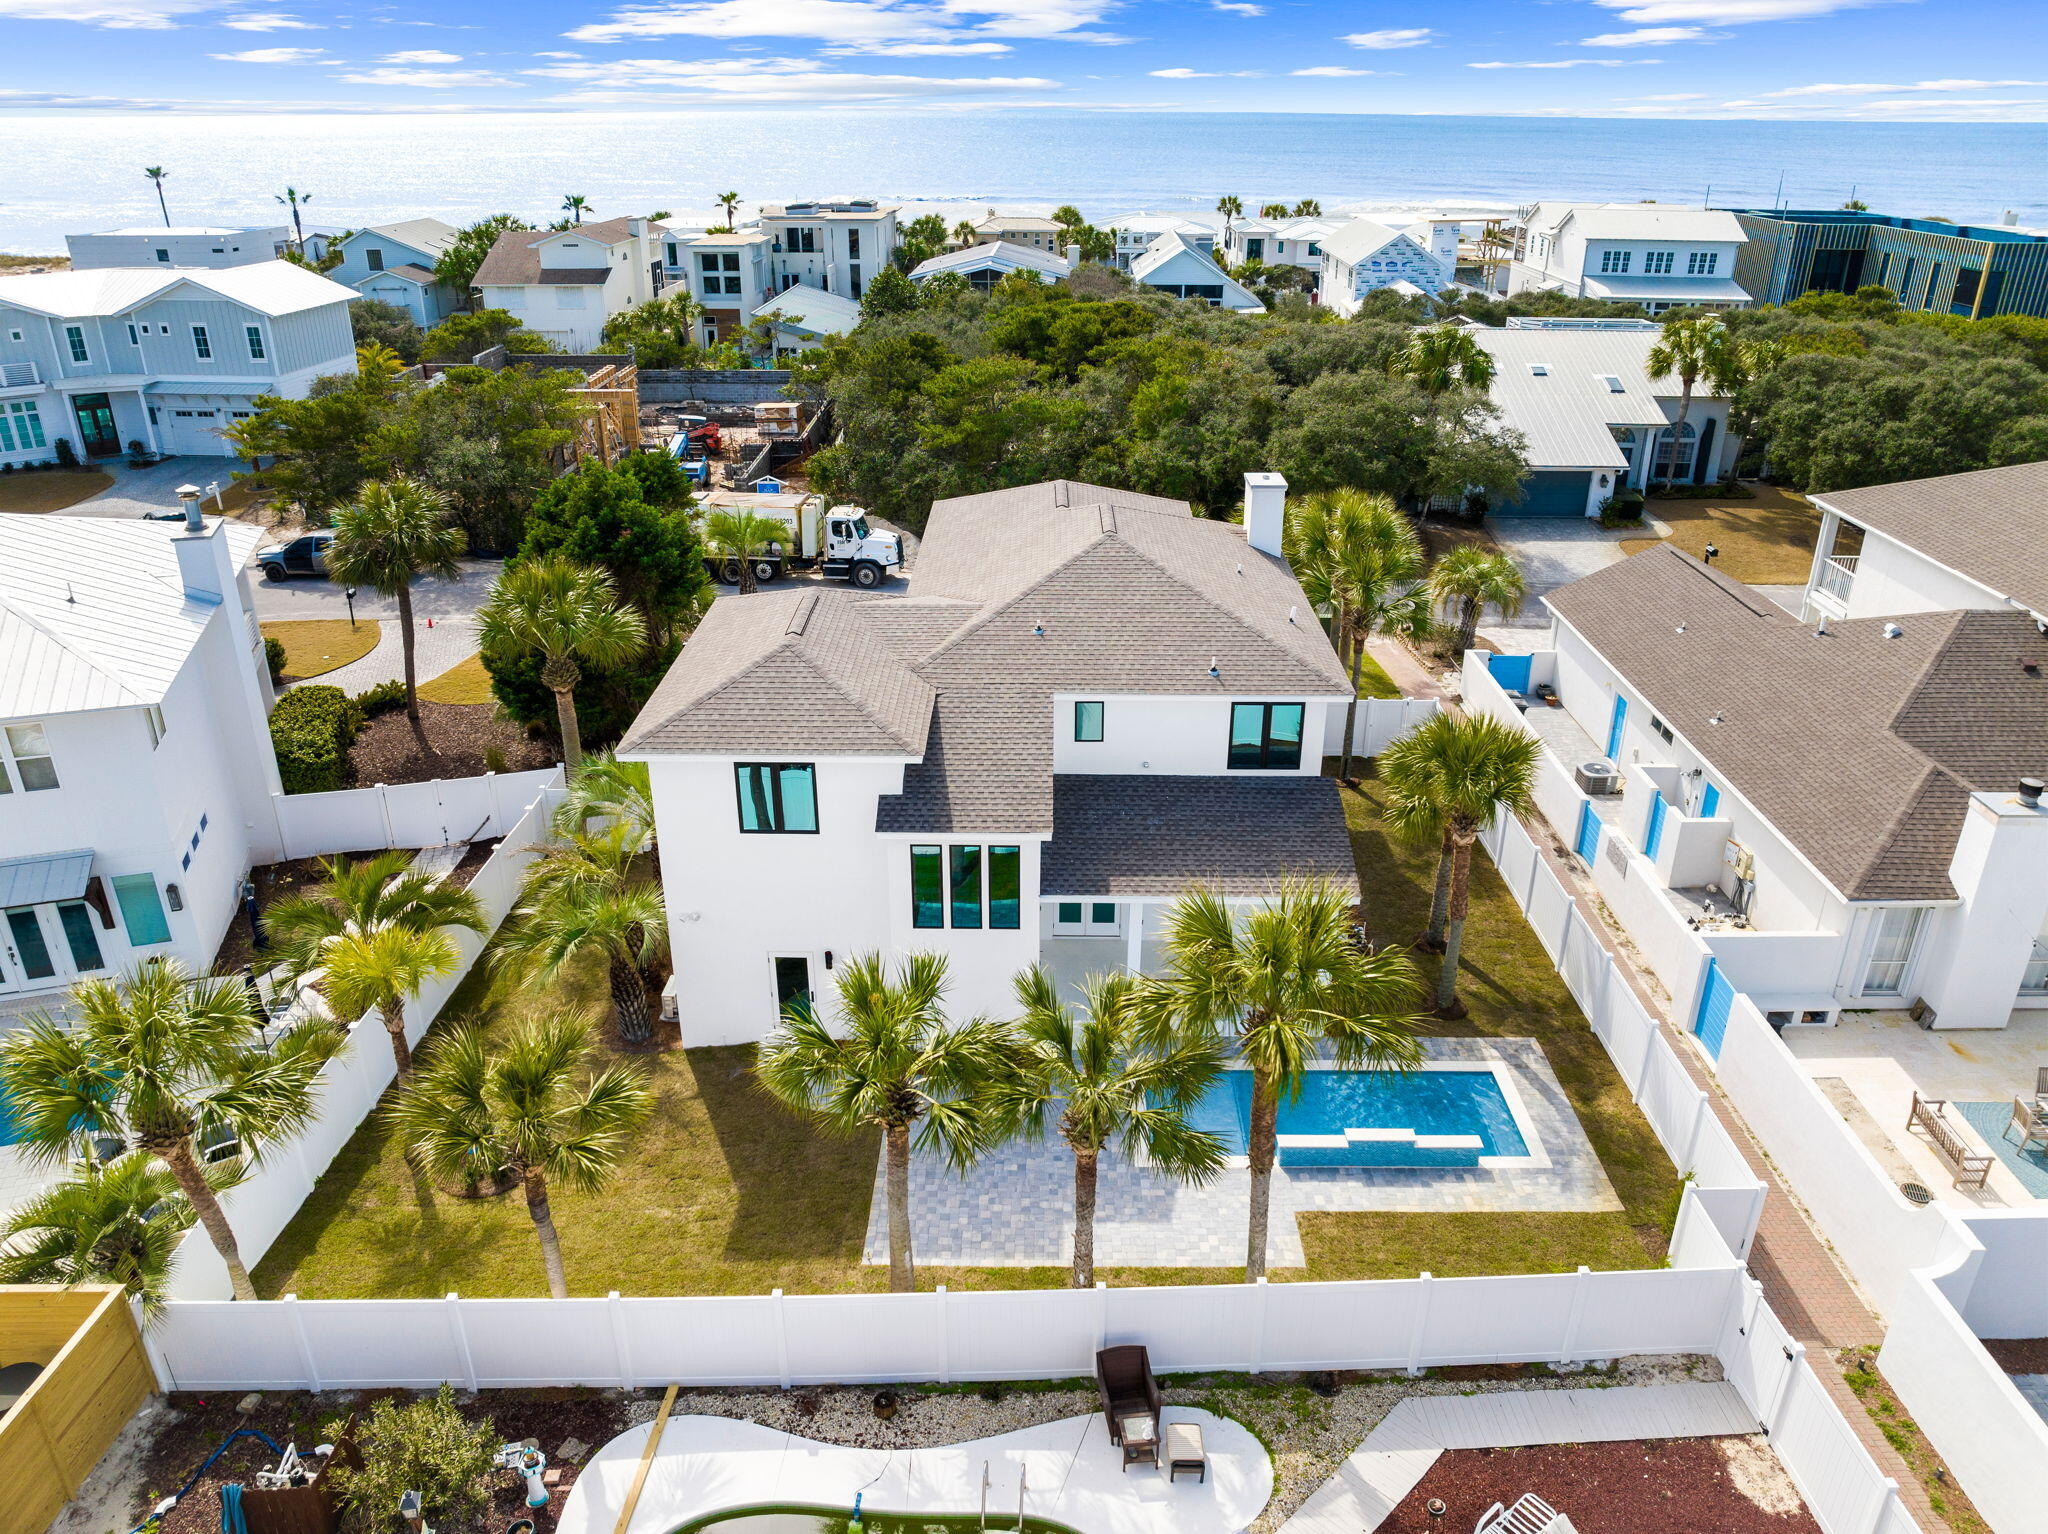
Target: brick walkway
[1804, 1284]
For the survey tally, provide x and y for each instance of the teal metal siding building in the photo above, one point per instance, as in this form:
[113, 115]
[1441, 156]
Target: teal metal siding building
[1965, 269]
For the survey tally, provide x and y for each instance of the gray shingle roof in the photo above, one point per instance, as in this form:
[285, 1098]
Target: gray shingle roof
[1990, 525]
[1861, 749]
[1143, 835]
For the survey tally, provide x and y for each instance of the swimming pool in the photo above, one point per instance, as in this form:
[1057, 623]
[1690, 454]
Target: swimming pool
[1446, 1114]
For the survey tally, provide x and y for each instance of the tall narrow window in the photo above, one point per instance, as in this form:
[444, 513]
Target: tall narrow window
[200, 344]
[1891, 950]
[375, 257]
[1265, 735]
[1087, 721]
[255, 334]
[154, 714]
[1005, 888]
[966, 886]
[74, 337]
[927, 887]
[142, 910]
[777, 796]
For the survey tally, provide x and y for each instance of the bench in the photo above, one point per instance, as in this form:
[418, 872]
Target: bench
[1972, 1171]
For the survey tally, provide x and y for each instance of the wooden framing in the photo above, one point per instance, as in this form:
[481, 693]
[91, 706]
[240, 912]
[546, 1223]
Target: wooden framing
[95, 1374]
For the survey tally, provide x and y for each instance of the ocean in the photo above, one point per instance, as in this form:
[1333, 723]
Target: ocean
[70, 171]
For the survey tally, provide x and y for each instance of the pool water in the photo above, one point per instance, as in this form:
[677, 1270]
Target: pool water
[1430, 1117]
[813, 1520]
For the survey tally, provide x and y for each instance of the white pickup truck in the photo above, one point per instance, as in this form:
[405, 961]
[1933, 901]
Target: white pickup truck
[837, 542]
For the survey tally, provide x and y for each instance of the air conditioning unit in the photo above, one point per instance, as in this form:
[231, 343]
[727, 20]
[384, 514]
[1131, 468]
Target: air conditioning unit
[1599, 776]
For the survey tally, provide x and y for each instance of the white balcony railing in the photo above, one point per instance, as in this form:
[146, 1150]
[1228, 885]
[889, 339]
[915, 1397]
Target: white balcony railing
[1837, 575]
[16, 375]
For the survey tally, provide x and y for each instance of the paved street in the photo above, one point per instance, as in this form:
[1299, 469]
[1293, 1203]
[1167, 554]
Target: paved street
[317, 597]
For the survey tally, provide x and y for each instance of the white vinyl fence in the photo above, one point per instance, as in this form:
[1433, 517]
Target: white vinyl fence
[1379, 722]
[350, 1083]
[407, 814]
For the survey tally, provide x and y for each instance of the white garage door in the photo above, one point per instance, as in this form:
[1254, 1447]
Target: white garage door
[191, 428]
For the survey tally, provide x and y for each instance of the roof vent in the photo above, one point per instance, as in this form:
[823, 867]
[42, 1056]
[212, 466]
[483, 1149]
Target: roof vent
[2029, 665]
[1820, 629]
[1214, 674]
[1108, 519]
[1059, 492]
[801, 616]
[1892, 631]
[1038, 630]
[2030, 792]
[1613, 383]
[1539, 370]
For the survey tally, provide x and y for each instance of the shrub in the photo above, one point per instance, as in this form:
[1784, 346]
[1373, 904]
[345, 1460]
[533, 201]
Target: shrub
[66, 457]
[1624, 508]
[381, 699]
[311, 730]
[274, 658]
[424, 1445]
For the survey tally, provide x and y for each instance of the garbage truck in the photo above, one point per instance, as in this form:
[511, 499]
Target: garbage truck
[836, 541]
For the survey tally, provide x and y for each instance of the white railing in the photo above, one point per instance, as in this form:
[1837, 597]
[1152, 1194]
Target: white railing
[350, 1084]
[1837, 575]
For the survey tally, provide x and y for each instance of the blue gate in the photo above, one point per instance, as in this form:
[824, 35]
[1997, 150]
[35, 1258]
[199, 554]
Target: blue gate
[1587, 841]
[1614, 724]
[1710, 1022]
[1511, 671]
[1653, 833]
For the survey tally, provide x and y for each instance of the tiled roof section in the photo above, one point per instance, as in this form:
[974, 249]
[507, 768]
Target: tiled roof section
[1137, 834]
[514, 260]
[1860, 746]
[786, 671]
[1990, 525]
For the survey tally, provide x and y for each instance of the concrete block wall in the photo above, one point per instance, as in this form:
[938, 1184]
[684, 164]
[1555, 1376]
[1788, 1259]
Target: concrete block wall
[746, 386]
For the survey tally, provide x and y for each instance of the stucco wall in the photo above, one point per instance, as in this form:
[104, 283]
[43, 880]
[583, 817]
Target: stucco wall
[1171, 734]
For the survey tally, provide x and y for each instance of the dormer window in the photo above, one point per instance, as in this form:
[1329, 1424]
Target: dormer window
[1614, 262]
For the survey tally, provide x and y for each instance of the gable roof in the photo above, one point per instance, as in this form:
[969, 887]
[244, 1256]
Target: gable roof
[1986, 525]
[813, 310]
[410, 271]
[1170, 258]
[429, 235]
[606, 231]
[996, 255]
[1566, 411]
[1638, 221]
[93, 611]
[269, 287]
[1358, 238]
[513, 261]
[1860, 746]
[1018, 594]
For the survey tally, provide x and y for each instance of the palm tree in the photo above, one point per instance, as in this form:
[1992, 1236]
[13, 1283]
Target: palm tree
[1286, 982]
[1358, 558]
[1108, 1089]
[381, 969]
[532, 1108]
[742, 537]
[576, 206]
[397, 531]
[1465, 770]
[1308, 207]
[1467, 580]
[1692, 346]
[1445, 357]
[965, 234]
[565, 613]
[294, 199]
[730, 201]
[156, 174]
[585, 895]
[109, 1222]
[1414, 812]
[1230, 208]
[900, 1067]
[607, 789]
[170, 1065]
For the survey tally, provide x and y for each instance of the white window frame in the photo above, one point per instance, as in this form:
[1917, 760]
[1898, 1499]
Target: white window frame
[202, 344]
[11, 758]
[1658, 263]
[1894, 985]
[1703, 263]
[75, 346]
[253, 334]
[1615, 263]
[1088, 925]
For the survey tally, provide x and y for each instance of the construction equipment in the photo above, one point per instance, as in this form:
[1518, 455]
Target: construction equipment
[837, 542]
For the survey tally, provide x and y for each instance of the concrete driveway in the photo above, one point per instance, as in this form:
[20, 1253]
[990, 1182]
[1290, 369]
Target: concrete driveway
[1552, 552]
[154, 488]
[309, 596]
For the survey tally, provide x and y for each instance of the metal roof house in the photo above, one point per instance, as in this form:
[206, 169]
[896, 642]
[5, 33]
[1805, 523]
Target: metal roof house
[986, 264]
[1088, 700]
[1971, 270]
[394, 263]
[1653, 254]
[1174, 264]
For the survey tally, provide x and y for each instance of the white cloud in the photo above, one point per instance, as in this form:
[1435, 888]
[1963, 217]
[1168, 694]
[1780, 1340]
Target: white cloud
[421, 56]
[425, 79]
[1676, 96]
[681, 81]
[270, 21]
[558, 55]
[915, 50]
[853, 21]
[1888, 90]
[1393, 37]
[116, 15]
[1729, 12]
[1561, 63]
[1236, 9]
[1207, 74]
[271, 56]
[1334, 71]
[1648, 37]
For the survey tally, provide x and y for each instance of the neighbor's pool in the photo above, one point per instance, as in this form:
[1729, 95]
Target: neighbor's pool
[815, 1520]
[1432, 1117]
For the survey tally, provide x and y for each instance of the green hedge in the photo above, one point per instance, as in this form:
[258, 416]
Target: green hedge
[311, 730]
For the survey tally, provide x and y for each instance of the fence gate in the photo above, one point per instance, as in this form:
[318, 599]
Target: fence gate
[1587, 841]
[1710, 1022]
[1653, 833]
[1511, 671]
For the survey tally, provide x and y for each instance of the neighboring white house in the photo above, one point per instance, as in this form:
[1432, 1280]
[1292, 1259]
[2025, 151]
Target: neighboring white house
[564, 284]
[135, 761]
[1928, 545]
[1280, 242]
[1594, 419]
[833, 248]
[190, 245]
[1365, 255]
[395, 264]
[1645, 253]
[1136, 233]
[1026, 229]
[166, 357]
[804, 317]
[1172, 264]
[986, 265]
[1088, 701]
[837, 246]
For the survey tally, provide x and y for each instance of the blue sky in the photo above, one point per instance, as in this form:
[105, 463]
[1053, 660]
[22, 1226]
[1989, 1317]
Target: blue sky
[1873, 60]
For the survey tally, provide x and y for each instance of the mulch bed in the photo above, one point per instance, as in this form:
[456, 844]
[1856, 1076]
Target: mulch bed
[551, 1416]
[2019, 1355]
[1645, 1486]
[458, 734]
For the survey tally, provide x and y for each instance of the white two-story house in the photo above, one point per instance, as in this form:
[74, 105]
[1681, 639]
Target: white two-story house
[1137, 232]
[565, 283]
[177, 245]
[1364, 256]
[165, 357]
[394, 263]
[1280, 242]
[136, 770]
[1088, 701]
[833, 248]
[1647, 253]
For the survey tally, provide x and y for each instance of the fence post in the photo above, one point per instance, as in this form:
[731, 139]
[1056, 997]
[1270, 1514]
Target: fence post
[1567, 1350]
[622, 1344]
[458, 1330]
[1887, 1499]
[945, 1336]
[1700, 1112]
[1649, 1053]
[1101, 1315]
[1260, 1291]
[158, 1364]
[384, 809]
[781, 1340]
[1415, 1335]
[306, 1360]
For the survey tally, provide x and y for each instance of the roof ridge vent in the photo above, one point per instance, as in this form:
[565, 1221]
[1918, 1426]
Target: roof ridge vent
[801, 617]
[1108, 518]
[1059, 492]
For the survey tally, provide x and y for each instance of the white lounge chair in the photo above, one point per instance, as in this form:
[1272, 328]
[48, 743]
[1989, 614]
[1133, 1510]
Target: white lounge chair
[1530, 1515]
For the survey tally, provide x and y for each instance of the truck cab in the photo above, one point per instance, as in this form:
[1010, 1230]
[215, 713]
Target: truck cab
[838, 543]
[855, 552]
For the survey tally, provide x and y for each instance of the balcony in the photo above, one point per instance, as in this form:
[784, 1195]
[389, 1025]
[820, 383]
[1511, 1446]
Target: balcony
[1837, 575]
[19, 375]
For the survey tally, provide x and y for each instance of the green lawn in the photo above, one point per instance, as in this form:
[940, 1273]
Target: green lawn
[1373, 681]
[728, 1193]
